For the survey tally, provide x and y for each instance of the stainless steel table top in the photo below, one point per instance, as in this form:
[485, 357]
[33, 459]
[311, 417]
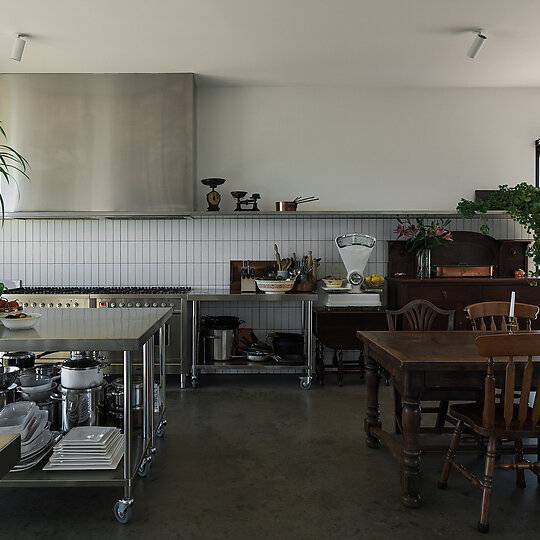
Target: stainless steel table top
[86, 329]
[224, 295]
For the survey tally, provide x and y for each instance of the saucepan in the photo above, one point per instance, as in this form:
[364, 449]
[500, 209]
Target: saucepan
[291, 206]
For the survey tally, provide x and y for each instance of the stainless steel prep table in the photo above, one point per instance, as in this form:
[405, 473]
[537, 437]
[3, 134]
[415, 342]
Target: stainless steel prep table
[223, 295]
[126, 330]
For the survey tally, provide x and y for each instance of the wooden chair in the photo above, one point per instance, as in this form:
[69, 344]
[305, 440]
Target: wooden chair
[420, 315]
[494, 315]
[500, 419]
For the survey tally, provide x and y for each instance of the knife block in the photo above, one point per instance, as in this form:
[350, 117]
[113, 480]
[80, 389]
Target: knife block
[248, 285]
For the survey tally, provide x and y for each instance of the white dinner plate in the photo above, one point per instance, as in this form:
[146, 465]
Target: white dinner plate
[87, 466]
[38, 426]
[39, 442]
[85, 448]
[89, 435]
[61, 458]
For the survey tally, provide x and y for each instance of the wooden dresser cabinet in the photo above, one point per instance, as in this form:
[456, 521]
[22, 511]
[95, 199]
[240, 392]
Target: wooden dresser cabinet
[456, 293]
[468, 248]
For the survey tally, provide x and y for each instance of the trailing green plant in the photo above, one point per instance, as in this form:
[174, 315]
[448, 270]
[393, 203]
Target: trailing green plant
[11, 163]
[521, 203]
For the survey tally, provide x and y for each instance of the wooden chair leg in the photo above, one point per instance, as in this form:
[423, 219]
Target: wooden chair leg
[520, 473]
[450, 455]
[441, 415]
[487, 488]
[340, 368]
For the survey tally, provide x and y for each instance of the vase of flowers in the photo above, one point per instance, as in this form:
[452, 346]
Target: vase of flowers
[422, 237]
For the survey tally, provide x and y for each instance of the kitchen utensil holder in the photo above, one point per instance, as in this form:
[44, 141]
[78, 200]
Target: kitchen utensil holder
[248, 285]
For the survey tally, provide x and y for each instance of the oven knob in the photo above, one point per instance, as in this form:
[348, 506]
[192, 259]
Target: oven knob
[41, 304]
[171, 304]
[33, 304]
[112, 304]
[75, 304]
[163, 304]
[138, 304]
[155, 304]
[59, 304]
[25, 304]
[130, 304]
[121, 304]
[50, 304]
[146, 304]
[67, 305]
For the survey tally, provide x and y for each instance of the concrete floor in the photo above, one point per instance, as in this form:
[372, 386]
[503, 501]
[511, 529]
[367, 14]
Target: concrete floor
[257, 458]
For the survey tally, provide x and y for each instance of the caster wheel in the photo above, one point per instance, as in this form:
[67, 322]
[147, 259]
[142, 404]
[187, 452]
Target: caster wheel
[144, 469]
[160, 431]
[193, 383]
[124, 516]
[305, 384]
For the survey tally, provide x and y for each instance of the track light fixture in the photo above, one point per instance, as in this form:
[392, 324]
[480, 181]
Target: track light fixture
[479, 40]
[18, 47]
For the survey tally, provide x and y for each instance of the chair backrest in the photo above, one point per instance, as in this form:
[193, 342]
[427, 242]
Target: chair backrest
[510, 345]
[420, 315]
[494, 315]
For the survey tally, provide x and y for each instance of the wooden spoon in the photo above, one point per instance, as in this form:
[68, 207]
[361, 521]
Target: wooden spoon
[278, 257]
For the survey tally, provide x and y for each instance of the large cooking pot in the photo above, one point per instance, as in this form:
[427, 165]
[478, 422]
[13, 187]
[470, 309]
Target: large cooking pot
[220, 337]
[116, 393]
[287, 344]
[20, 359]
[8, 396]
[53, 407]
[81, 407]
[82, 373]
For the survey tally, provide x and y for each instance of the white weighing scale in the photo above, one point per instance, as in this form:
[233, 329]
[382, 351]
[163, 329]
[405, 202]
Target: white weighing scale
[354, 250]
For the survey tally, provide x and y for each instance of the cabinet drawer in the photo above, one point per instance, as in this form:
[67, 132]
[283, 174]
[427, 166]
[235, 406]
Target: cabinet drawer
[451, 293]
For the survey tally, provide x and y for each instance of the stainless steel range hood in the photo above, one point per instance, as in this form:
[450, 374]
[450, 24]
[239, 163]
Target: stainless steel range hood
[100, 144]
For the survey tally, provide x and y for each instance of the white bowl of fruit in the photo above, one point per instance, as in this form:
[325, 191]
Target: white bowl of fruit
[9, 306]
[20, 321]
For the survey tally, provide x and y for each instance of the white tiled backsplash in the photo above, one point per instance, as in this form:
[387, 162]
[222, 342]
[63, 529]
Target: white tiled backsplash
[194, 251]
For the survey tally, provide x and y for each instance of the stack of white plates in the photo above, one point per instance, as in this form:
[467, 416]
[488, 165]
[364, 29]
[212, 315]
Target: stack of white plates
[87, 448]
[36, 438]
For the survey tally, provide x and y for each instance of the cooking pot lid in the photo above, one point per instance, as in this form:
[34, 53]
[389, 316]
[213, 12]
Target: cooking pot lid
[82, 363]
[19, 355]
[118, 384]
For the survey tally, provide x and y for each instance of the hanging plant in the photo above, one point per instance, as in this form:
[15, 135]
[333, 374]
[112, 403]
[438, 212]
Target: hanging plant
[11, 163]
[521, 203]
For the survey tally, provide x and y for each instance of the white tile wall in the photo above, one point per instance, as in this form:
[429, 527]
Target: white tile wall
[195, 252]
[192, 252]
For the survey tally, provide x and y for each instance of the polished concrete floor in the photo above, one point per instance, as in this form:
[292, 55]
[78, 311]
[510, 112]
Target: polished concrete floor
[259, 458]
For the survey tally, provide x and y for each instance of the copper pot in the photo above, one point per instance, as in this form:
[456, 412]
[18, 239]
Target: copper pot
[286, 206]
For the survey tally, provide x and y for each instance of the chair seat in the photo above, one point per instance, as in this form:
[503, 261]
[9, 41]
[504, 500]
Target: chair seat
[471, 414]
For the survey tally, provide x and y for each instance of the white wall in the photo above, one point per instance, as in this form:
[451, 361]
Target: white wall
[366, 149]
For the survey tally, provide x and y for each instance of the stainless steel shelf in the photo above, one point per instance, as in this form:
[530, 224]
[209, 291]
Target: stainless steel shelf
[300, 368]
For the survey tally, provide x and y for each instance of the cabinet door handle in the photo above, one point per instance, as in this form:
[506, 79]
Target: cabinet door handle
[444, 295]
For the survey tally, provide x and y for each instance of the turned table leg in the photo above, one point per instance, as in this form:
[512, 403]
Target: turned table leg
[411, 473]
[372, 388]
[319, 359]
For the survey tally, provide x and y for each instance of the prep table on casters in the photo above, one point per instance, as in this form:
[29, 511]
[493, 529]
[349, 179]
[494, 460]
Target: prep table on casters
[88, 329]
[306, 300]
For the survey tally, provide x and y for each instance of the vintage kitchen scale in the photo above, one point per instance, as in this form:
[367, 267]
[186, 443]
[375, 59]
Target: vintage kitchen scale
[354, 250]
[213, 197]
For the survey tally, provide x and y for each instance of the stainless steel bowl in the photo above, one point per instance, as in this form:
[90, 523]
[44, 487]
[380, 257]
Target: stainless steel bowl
[8, 374]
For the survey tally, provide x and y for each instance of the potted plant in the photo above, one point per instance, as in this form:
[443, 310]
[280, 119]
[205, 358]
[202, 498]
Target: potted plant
[11, 163]
[521, 203]
[422, 237]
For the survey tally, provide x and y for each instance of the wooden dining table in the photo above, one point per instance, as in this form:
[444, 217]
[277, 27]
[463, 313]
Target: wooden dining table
[432, 365]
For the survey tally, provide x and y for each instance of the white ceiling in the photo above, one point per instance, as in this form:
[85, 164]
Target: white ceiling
[281, 42]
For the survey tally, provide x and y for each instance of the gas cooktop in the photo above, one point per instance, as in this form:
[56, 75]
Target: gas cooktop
[100, 290]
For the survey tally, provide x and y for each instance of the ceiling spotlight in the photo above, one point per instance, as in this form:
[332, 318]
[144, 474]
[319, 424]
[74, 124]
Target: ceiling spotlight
[18, 47]
[479, 40]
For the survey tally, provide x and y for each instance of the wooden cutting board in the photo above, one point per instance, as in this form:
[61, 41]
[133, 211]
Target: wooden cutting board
[261, 270]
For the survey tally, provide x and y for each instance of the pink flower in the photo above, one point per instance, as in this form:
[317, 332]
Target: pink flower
[400, 229]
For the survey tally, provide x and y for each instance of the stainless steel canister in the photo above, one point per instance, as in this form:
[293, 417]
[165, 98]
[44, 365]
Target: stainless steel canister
[219, 344]
[116, 393]
[82, 407]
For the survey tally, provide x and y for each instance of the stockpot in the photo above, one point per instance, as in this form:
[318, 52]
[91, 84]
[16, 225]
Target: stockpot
[116, 393]
[82, 373]
[81, 407]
